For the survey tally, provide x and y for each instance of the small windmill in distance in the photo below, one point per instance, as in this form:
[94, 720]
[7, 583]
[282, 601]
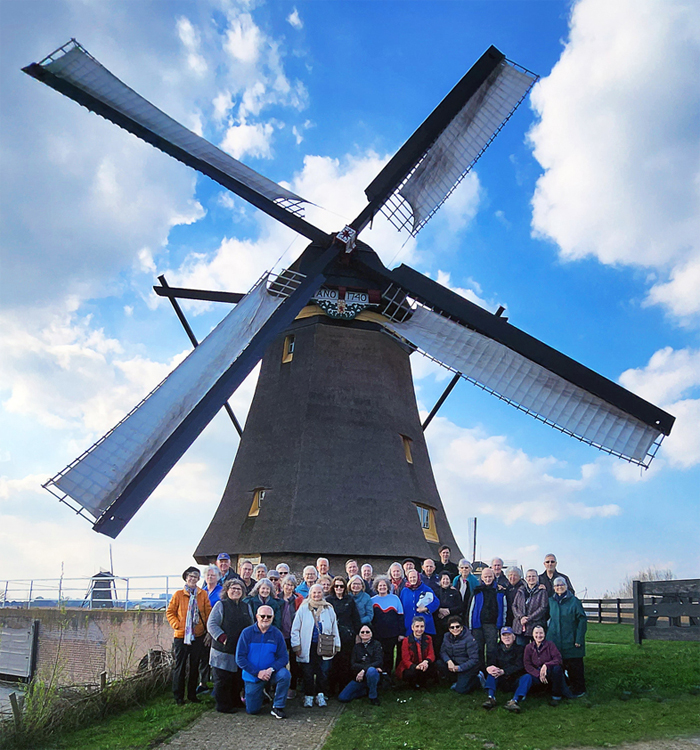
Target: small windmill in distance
[332, 458]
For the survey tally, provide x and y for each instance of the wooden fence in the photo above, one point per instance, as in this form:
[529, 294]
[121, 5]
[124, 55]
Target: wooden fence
[609, 610]
[667, 610]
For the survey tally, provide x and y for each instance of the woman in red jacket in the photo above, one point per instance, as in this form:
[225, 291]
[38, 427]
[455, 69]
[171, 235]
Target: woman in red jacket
[544, 663]
[417, 664]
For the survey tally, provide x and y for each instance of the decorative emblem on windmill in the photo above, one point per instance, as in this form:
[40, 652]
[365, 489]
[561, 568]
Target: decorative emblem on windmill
[333, 458]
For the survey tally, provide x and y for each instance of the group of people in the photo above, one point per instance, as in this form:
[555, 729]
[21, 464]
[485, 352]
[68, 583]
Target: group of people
[261, 631]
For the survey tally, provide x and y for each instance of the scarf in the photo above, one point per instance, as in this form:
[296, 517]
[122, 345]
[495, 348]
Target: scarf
[192, 615]
[413, 647]
[560, 597]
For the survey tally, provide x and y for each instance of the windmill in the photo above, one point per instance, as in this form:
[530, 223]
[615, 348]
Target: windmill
[332, 458]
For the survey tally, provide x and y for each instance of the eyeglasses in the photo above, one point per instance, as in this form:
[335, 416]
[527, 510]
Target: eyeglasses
[265, 617]
[455, 627]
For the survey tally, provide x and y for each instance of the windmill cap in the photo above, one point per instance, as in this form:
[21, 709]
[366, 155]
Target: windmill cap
[223, 556]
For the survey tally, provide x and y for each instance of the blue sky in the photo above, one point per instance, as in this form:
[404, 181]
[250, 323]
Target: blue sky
[581, 219]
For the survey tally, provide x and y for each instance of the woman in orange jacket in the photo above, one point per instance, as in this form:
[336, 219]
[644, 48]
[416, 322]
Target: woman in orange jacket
[187, 613]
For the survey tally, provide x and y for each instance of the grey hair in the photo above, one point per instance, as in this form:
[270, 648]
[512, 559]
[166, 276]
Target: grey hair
[532, 570]
[355, 578]
[367, 565]
[260, 566]
[500, 560]
[380, 579]
[262, 582]
[281, 566]
[462, 563]
[215, 570]
[559, 581]
[388, 572]
[308, 568]
[514, 569]
[291, 578]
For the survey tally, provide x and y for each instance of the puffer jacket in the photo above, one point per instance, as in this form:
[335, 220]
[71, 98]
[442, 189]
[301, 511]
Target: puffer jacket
[462, 649]
[567, 625]
[363, 602]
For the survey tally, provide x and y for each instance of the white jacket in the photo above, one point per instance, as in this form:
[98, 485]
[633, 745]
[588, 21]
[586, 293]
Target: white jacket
[303, 628]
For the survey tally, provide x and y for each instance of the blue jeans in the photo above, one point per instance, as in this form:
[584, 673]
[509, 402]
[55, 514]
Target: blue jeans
[254, 691]
[355, 689]
[524, 684]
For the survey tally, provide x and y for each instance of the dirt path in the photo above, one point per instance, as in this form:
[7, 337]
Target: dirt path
[690, 743]
[303, 729]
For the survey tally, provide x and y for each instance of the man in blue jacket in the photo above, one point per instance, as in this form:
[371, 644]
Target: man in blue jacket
[262, 655]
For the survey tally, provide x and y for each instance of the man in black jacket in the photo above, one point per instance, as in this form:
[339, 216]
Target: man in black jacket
[506, 671]
[366, 664]
[459, 657]
[550, 572]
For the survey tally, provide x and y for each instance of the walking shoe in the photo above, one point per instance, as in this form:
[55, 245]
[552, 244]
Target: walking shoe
[374, 701]
[308, 701]
[489, 703]
[513, 706]
[278, 713]
[321, 700]
[202, 689]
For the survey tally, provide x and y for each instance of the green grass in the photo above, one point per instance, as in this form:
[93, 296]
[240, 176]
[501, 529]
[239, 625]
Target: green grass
[145, 726]
[634, 693]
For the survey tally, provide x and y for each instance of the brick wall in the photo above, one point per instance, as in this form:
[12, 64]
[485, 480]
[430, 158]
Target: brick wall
[77, 645]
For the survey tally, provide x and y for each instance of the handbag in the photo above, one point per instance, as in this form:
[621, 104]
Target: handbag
[326, 644]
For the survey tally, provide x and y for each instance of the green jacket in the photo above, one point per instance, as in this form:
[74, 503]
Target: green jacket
[567, 625]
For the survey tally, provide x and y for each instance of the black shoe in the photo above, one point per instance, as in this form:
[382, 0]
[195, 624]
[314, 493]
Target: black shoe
[202, 689]
[226, 710]
[374, 701]
[278, 713]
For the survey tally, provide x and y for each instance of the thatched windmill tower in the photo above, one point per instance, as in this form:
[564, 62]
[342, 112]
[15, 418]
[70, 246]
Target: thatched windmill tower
[333, 459]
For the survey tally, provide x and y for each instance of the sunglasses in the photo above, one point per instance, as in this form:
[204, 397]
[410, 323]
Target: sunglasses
[339, 586]
[455, 627]
[265, 617]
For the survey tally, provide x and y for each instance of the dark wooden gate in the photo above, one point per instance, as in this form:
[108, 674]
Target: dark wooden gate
[666, 610]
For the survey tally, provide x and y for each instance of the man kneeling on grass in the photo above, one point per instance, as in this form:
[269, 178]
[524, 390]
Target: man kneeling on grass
[262, 655]
[507, 672]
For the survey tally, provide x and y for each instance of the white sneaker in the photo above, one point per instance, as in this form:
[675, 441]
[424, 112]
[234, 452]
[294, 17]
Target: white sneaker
[321, 700]
[308, 701]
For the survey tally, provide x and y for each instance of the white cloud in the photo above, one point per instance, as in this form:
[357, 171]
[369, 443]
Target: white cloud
[619, 144]
[190, 39]
[443, 277]
[243, 38]
[248, 140]
[294, 20]
[504, 481]
[670, 379]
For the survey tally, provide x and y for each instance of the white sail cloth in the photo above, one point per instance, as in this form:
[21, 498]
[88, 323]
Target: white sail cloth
[98, 477]
[527, 385]
[463, 141]
[76, 66]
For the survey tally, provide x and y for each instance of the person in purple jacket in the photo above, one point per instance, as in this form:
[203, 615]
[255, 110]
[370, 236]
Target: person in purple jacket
[418, 599]
[543, 662]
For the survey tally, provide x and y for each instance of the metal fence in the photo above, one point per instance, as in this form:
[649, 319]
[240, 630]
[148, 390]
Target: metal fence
[103, 591]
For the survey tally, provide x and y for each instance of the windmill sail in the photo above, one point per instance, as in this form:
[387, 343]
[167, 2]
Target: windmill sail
[525, 372]
[75, 73]
[437, 157]
[114, 477]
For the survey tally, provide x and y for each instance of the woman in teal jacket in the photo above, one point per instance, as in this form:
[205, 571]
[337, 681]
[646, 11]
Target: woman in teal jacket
[567, 630]
[363, 601]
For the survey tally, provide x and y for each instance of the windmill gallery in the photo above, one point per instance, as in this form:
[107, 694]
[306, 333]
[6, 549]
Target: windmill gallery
[333, 429]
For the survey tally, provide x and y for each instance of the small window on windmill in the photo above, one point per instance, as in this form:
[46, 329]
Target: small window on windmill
[258, 497]
[427, 522]
[288, 351]
[407, 448]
